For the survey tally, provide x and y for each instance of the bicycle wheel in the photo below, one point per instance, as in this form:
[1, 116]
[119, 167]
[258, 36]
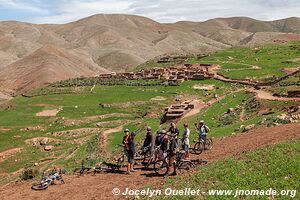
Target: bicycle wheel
[39, 186]
[139, 155]
[185, 165]
[120, 161]
[161, 167]
[78, 171]
[208, 144]
[148, 162]
[198, 148]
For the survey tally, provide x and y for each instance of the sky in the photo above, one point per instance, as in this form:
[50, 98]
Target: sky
[63, 11]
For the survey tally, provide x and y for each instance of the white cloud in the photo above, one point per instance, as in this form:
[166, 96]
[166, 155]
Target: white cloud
[74, 9]
[62, 11]
[21, 5]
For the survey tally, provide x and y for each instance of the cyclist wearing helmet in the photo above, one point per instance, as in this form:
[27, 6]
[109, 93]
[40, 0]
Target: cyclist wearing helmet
[174, 131]
[149, 139]
[158, 138]
[202, 129]
[157, 143]
[172, 153]
[164, 145]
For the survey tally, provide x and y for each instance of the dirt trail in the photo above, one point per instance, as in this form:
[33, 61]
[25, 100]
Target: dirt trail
[200, 105]
[266, 95]
[48, 113]
[103, 138]
[101, 185]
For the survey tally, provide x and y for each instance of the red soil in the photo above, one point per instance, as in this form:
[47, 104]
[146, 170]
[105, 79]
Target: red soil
[101, 185]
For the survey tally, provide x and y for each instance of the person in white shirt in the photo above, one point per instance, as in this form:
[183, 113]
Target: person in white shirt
[186, 141]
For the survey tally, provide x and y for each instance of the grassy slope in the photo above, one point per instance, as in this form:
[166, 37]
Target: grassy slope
[237, 62]
[77, 106]
[270, 59]
[275, 167]
[22, 115]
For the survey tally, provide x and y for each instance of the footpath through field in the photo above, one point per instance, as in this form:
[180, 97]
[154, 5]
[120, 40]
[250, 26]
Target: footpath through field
[266, 95]
[100, 186]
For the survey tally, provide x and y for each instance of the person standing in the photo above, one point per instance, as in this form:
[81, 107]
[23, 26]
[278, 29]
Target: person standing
[164, 145]
[186, 141]
[130, 153]
[174, 131]
[172, 155]
[148, 142]
[157, 144]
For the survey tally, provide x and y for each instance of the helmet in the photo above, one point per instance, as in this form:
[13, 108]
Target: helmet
[163, 132]
[148, 128]
[185, 125]
[173, 124]
[201, 121]
[126, 130]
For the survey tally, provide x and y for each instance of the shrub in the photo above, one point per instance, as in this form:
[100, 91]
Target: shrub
[28, 173]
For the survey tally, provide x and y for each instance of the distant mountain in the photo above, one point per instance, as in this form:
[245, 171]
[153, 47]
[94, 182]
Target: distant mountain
[34, 55]
[289, 25]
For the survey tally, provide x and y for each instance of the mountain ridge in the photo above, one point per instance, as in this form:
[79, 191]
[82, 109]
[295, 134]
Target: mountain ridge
[116, 42]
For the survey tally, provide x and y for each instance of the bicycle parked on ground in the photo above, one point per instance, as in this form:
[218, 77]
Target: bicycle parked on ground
[48, 180]
[82, 170]
[98, 168]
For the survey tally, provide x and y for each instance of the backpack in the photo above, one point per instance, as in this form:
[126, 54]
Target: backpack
[206, 128]
[125, 142]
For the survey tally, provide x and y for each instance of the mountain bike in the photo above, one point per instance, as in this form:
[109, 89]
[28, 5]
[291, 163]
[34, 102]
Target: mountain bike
[83, 169]
[203, 144]
[150, 159]
[162, 167]
[208, 143]
[182, 164]
[98, 168]
[105, 167]
[121, 158]
[48, 180]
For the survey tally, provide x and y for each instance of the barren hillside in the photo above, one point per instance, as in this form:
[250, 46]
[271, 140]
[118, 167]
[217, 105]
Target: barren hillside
[43, 66]
[33, 55]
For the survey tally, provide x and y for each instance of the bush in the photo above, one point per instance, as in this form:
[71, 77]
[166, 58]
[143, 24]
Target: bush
[28, 173]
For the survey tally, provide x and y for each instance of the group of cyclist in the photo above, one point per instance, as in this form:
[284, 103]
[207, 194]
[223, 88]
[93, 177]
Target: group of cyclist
[165, 142]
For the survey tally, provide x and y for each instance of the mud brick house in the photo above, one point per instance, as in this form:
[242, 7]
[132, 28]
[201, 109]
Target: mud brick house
[178, 110]
[105, 76]
[179, 72]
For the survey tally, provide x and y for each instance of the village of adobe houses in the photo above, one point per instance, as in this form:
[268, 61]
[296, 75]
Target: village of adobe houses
[177, 73]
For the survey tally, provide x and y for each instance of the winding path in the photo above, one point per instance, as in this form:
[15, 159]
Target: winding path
[103, 139]
[266, 95]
